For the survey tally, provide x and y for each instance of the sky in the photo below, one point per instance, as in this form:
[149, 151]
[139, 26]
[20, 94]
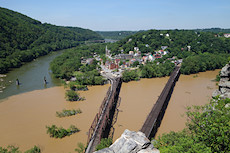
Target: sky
[116, 15]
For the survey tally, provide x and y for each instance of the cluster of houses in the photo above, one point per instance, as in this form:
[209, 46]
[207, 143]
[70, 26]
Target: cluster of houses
[126, 60]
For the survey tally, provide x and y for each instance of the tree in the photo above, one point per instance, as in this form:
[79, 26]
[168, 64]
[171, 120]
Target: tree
[105, 142]
[207, 130]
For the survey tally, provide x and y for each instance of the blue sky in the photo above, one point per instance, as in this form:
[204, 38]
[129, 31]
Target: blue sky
[113, 15]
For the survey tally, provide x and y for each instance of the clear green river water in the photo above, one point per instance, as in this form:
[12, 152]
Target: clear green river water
[31, 77]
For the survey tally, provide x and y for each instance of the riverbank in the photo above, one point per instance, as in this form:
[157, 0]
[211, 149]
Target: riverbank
[24, 118]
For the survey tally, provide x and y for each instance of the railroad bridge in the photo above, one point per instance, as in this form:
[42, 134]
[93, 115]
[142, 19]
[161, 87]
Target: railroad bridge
[155, 116]
[104, 119]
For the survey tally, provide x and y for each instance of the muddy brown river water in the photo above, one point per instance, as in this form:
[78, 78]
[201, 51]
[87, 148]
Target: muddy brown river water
[24, 117]
[138, 98]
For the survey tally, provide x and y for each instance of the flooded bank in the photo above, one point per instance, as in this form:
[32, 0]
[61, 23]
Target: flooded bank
[138, 98]
[24, 118]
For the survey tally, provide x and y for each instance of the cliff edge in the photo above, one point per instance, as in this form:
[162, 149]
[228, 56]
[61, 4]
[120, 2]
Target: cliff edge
[131, 142]
[224, 84]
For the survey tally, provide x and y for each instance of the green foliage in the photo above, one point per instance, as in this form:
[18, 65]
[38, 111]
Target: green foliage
[203, 62]
[35, 149]
[210, 124]
[151, 70]
[64, 66]
[10, 149]
[130, 75]
[115, 35]
[13, 149]
[89, 78]
[24, 39]
[81, 87]
[60, 132]
[80, 148]
[207, 130]
[73, 85]
[105, 142]
[218, 77]
[65, 112]
[72, 96]
[177, 42]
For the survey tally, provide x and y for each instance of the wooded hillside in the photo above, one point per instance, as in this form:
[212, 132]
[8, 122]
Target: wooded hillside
[23, 39]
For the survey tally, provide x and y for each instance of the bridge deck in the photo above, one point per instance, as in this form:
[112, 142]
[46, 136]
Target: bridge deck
[102, 118]
[153, 116]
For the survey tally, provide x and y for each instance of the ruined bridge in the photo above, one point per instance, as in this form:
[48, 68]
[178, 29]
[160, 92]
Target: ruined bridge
[104, 119]
[154, 118]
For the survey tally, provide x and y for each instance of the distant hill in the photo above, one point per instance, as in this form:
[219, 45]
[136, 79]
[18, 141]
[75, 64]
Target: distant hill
[180, 43]
[23, 39]
[214, 30]
[115, 35]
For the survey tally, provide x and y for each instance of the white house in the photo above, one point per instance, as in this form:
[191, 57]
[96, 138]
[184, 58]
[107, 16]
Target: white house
[227, 35]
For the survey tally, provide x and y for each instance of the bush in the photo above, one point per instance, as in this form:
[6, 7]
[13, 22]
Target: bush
[13, 149]
[72, 96]
[60, 132]
[130, 75]
[80, 148]
[35, 149]
[207, 130]
[105, 142]
[65, 112]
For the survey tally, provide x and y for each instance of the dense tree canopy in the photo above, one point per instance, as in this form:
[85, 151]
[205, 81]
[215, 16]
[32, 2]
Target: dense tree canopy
[178, 42]
[23, 39]
[64, 66]
[207, 130]
[115, 35]
[203, 62]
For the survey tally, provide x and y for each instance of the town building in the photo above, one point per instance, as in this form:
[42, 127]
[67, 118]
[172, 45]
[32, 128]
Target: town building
[125, 56]
[227, 35]
[164, 47]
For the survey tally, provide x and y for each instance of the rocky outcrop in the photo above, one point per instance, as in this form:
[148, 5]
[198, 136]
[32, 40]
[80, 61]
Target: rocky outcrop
[131, 142]
[224, 84]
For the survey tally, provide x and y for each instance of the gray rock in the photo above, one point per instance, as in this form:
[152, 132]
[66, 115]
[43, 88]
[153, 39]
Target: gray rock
[149, 151]
[216, 93]
[225, 71]
[106, 150]
[225, 84]
[225, 95]
[131, 142]
[224, 90]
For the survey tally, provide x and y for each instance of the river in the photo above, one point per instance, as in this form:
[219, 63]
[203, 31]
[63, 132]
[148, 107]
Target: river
[26, 111]
[138, 98]
[31, 77]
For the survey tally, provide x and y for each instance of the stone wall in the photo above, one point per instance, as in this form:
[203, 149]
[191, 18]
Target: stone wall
[224, 84]
[131, 142]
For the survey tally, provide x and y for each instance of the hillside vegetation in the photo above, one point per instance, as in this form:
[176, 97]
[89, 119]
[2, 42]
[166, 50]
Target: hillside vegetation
[201, 51]
[23, 39]
[207, 130]
[115, 35]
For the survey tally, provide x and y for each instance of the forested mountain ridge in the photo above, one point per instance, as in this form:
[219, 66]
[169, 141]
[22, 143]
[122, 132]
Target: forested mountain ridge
[23, 39]
[176, 40]
[200, 51]
[116, 35]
